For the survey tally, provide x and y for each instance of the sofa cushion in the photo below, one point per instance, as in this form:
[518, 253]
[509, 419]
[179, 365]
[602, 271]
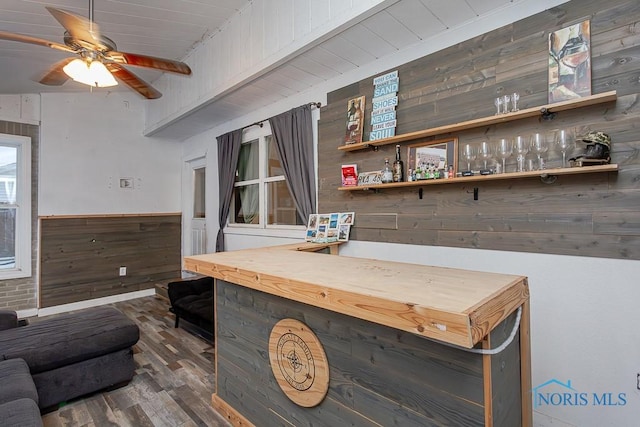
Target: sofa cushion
[197, 305]
[181, 288]
[16, 381]
[8, 319]
[61, 340]
[20, 413]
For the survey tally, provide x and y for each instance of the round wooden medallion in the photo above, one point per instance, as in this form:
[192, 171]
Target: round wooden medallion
[298, 362]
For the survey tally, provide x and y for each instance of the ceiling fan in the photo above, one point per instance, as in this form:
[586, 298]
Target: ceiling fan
[99, 60]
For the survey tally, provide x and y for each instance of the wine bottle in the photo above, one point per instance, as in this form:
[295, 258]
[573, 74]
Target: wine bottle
[387, 174]
[398, 167]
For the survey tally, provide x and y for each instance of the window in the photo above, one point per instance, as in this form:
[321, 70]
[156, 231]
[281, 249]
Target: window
[261, 198]
[15, 206]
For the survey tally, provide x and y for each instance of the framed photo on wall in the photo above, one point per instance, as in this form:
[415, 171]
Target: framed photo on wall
[440, 153]
[355, 120]
[570, 62]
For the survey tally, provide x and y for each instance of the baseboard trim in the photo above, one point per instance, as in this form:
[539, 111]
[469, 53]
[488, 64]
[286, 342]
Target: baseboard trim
[31, 312]
[93, 302]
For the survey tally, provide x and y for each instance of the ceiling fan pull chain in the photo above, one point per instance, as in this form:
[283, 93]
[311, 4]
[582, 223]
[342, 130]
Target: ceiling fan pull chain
[91, 16]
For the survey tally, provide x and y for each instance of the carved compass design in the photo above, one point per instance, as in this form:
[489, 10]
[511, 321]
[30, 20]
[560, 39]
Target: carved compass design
[298, 362]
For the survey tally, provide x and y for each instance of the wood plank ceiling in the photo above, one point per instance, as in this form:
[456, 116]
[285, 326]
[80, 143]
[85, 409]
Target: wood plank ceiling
[171, 28]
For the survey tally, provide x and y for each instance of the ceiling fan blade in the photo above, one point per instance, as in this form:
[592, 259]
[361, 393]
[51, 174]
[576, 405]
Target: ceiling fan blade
[77, 26]
[133, 81]
[34, 40]
[55, 76]
[149, 62]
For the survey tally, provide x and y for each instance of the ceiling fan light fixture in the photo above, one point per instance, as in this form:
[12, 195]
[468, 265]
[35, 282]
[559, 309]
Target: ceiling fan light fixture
[92, 73]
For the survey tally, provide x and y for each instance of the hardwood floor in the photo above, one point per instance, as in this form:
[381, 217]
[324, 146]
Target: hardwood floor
[173, 383]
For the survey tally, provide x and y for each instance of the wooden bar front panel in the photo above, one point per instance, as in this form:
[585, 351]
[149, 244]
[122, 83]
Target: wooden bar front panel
[378, 375]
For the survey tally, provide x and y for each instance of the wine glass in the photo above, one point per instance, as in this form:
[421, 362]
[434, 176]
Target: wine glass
[505, 103]
[521, 148]
[498, 103]
[504, 151]
[484, 153]
[514, 101]
[539, 146]
[564, 141]
[469, 154]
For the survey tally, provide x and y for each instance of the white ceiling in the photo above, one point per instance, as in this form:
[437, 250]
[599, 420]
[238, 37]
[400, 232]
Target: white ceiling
[171, 28]
[164, 28]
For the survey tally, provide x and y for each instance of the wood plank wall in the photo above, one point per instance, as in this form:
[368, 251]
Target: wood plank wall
[587, 215]
[378, 375]
[80, 257]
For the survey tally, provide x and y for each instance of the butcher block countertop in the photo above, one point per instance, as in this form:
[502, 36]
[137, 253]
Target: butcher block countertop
[451, 305]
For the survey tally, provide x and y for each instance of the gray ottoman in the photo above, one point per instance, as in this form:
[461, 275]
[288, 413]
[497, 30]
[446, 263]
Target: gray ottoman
[73, 354]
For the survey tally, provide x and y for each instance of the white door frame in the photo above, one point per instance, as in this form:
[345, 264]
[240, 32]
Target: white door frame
[188, 201]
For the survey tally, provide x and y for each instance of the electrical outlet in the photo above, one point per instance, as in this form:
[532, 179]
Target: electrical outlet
[123, 271]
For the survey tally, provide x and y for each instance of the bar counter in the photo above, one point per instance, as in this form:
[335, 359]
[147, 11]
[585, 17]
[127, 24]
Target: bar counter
[354, 305]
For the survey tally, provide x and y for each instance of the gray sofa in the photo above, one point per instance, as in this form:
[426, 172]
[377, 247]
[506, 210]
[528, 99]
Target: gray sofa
[67, 356]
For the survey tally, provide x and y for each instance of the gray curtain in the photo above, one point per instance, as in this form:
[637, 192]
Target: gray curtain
[228, 152]
[293, 135]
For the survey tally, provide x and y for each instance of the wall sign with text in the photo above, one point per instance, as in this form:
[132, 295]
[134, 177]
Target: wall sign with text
[385, 100]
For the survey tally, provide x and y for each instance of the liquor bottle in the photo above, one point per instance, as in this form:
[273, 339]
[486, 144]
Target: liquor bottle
[387, 174]
[398, 167]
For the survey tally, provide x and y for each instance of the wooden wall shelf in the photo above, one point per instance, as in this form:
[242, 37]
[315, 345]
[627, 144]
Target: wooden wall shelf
[600, 98]
[543, 174]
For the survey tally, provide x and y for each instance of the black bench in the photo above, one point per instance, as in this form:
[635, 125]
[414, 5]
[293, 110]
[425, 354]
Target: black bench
[192, 300]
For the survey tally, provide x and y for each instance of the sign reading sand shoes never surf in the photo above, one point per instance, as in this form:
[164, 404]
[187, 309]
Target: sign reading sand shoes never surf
[385, 100]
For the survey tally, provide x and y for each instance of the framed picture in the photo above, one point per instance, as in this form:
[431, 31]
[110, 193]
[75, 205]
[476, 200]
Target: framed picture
[347, 218]
[313, 221]
[343, 232]
[312, 227]
[329, 227]
[440, 153]
[323, 219]
[355, 120]
[570, 62]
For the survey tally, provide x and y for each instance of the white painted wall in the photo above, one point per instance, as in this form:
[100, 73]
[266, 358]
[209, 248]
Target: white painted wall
[91, 140]
[23, 108]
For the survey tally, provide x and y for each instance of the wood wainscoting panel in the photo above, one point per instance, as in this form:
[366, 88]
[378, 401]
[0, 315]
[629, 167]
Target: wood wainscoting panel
[81, 256]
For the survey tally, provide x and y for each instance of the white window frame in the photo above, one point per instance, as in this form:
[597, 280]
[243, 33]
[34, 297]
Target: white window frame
[262, 228]
[22, 205]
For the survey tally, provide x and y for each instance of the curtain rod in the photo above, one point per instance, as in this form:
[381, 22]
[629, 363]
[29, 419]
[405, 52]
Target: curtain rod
[261, 123]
